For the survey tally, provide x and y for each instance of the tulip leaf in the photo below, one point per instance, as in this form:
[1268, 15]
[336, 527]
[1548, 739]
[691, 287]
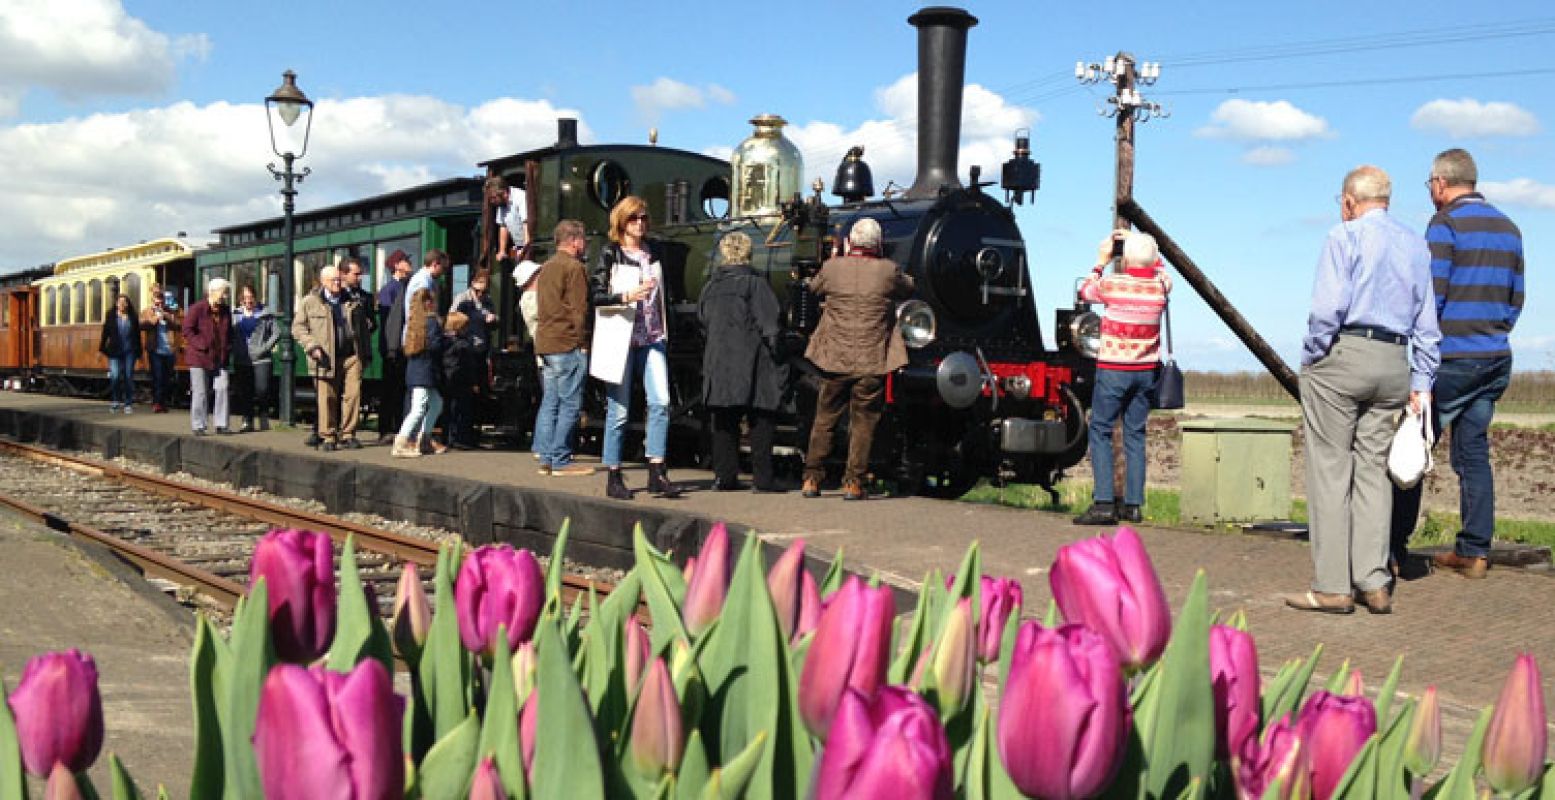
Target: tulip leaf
[1392, 781]
[556, 568]
[985, 777]
[1050, 618]
[445, 666]
[359, 631]
[1176, 718]
[834, 575]
[911, 646]
[1389, 692]
[566, 761]
[83, 785]
[695, 771]
[207, 659]
[1360, 779]
[244, 677]
[733, 779]
[1007, 644]
[1284, 693]
[1337, 681]
[13, 782]
[662, 603]
[123, 786]
[499, 721]
[1459, 783]
[446, 772]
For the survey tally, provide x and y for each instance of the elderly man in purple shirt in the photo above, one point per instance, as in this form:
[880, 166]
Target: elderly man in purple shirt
[1370, 348]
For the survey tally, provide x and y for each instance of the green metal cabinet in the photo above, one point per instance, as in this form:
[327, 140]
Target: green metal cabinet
[1235, 470]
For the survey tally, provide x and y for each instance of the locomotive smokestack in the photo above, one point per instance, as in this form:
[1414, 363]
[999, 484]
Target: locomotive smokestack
[566, 133]
[941, 76]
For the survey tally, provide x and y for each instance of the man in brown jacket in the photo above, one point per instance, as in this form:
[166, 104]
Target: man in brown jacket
[559, 336]
[332, 328]
[855, 346]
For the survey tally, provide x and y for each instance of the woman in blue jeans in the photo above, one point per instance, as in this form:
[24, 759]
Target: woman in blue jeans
[120, 342]
[630, 273]
[423, 351]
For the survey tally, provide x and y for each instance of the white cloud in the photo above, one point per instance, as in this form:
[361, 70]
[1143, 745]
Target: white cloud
[1520, 192]
[111, 179]
[668, 94]
[81, 48]
[1469, 118]
[1268, 156]
[1261, 121]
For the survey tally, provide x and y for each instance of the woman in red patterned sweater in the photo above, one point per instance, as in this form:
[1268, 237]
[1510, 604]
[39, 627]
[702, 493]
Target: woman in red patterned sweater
[1125, 370]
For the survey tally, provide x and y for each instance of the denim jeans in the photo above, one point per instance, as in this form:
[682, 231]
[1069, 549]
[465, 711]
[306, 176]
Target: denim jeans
[562, 396]
[651, 363]
[1464, 398]
[1125, 392]
[161, 376]
[121, 380]
[426, 403]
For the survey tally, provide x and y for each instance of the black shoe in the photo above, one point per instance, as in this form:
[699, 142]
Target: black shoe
[248, 426]
[328, 447]
[759, 489]
[223, 432]
[659, 481]
[199, 432]
[1098, 514]
[350, 444]
[312, 440]
[615, 485]
[1132, 514]
[729, 486]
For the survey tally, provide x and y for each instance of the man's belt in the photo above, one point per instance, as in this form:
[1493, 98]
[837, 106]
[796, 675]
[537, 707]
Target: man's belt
[1374, 333]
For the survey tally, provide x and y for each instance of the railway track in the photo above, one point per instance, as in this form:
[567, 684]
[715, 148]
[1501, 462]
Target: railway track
[194, 538]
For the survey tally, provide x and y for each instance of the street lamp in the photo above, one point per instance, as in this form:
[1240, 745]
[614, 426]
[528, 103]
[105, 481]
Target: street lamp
[287, 104]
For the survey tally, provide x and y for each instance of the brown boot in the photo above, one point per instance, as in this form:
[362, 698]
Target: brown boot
[812, 488]
[852, 490]
[1377, 601]
[1463, 565]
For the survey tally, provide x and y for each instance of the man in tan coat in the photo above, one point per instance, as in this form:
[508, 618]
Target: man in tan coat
[331, 327]
[855, 346]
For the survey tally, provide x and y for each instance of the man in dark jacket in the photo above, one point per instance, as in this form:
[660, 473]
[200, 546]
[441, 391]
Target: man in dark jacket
[855, 346]
[559, 338]
[207, 331]
[740, 375]
[391, 325]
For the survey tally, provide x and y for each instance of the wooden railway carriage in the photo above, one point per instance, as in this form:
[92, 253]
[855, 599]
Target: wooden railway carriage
[18, 330]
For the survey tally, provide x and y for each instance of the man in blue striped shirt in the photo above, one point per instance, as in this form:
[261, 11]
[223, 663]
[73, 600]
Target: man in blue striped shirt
[1477, 272]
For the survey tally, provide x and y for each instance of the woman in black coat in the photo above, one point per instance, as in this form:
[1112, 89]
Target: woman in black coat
[120, 342]
[741, 377]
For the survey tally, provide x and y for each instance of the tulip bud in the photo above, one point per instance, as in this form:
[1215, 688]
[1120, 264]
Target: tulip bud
[707, 584]
[794, 593]
[62, 785]
[1064, 717]
[890, 747]
[657, 738]
[1354, 685]
[1423, 745]
[1258, 766]
[1109, 585]
[1233, 666]
[637, 653]
[525, 668]
[955, 662]
[1333, 729]
[58, 712]
[528, 727]
[1517, 737]
[1001, 597]
[299, 572]
[498, 585]
[412, 618]
[849, 650]
[487, 783]
[323, 734]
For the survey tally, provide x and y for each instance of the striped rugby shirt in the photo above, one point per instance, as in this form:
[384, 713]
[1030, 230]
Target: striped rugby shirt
[1477, 272]
[1131, 323]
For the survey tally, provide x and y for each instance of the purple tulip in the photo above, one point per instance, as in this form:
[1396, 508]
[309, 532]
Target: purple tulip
[487, 784]
[412, 619]
[1064, 717]
[794, 593]
[498, 586]
[888, 748]
[58, 712]
[849, 650]
[1233, 666]
[299, 572]
[1258, 766]
[1333, 729]
[62, 785]
[1517, 737]
[1109, 585]
[657, 737]
[323, 734]
[1423, 745]
[1001, 597]
[707, 581]
[638, 651]
[955, 663]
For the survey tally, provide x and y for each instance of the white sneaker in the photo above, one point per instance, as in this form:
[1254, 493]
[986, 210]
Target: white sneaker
[113, 409]
[129, 409]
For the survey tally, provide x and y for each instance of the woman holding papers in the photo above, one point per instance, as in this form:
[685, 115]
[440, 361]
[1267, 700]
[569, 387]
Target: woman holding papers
[631, 335]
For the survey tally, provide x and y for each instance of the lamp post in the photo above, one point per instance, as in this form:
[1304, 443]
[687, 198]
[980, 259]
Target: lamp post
[287, 104]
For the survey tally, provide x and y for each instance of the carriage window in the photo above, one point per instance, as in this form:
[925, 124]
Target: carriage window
[412, 247]
[131, 286]
[64, 306]
[245, 273]
[78, 301]
[48, 306]
[94, 299]
[715, 197]
[608, 183]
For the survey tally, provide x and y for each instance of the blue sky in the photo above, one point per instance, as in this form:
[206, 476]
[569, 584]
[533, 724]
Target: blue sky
[120, 122]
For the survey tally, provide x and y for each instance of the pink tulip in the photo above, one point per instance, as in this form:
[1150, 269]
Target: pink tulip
[412, 619]
[794, 593]
[1333, 729]
[849, 650]
[487, 784]
[299, 572]
[1258, 766]
[58, 712]
[1064, 717]
[1233, 666]
[708, 582]
[1423, 745]
[889, 748]
[323, 734]
[498, 585]
[1517, 737]
[637, 653]
[1109, 585]
[528, 729]
[62, 785]
[657, 737]
[1001, 597]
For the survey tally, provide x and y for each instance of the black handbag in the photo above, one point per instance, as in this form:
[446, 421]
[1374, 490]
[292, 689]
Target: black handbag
[1168, 393]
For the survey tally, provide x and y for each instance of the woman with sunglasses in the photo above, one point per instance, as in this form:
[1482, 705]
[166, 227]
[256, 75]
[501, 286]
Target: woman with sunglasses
[630, 273]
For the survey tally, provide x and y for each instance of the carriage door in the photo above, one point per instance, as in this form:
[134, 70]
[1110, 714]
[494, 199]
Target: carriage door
[24, 328]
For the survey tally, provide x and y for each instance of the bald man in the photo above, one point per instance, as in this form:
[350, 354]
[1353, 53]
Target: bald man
[336, 349]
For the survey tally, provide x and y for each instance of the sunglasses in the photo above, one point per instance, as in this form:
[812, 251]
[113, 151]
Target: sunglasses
[637, 218]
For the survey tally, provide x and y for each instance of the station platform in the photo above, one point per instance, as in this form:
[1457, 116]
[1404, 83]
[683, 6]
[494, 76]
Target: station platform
[1459, 635]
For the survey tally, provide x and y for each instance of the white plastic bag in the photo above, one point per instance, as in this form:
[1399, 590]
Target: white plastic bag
[1409, 458]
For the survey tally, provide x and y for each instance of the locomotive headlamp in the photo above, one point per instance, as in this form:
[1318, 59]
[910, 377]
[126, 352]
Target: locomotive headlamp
[1085, 333]
[1018, 386]
[917, 322]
